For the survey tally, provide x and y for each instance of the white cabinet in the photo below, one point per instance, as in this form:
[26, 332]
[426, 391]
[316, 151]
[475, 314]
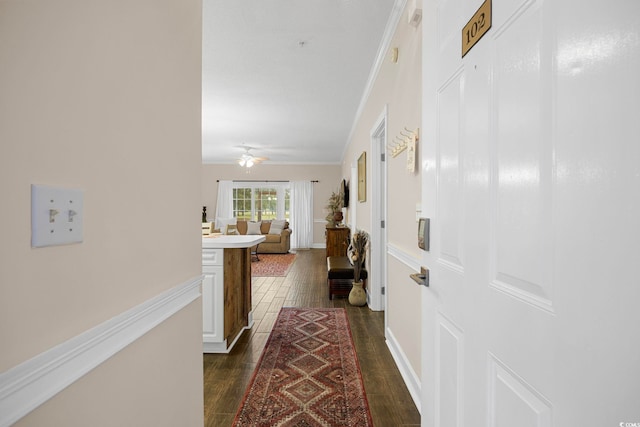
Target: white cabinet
[212, 299]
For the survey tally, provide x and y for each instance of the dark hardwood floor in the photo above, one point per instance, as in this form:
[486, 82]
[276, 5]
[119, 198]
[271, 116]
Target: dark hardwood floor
[226, 376]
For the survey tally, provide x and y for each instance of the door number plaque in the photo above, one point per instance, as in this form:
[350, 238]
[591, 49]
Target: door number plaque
[476, 27]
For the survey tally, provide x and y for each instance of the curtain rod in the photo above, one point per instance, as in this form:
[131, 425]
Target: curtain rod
[260, 180]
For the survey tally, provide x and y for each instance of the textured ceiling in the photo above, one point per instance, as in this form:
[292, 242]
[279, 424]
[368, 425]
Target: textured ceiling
[286, 76]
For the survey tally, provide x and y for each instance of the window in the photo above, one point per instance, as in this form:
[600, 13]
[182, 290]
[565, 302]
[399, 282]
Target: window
[262, 201]
[242, 203]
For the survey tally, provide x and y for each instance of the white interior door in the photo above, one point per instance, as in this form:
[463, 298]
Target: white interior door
[531, 178]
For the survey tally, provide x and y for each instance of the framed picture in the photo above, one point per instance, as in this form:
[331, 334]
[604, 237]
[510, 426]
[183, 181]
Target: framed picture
[344, 189]
[362, 177]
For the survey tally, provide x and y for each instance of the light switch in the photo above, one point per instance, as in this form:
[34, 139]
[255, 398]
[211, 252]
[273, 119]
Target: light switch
[56, 215]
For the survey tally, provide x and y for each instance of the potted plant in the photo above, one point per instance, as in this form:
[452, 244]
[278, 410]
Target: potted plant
[334, 205]
[357, 252]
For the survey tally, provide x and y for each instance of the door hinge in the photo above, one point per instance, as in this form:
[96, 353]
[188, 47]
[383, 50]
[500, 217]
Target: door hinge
[382, 157]
[382, 290]
[382, 224]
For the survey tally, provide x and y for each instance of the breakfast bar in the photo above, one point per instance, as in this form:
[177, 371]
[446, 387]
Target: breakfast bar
[226, 289]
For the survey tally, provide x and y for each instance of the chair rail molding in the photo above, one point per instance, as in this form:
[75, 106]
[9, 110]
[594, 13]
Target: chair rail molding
[28, 385]
[404, 257]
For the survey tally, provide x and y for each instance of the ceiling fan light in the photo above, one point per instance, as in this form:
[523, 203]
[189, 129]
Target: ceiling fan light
[241, 162]
[249, 163]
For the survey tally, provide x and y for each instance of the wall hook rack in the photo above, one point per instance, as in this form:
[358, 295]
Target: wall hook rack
[402, 141]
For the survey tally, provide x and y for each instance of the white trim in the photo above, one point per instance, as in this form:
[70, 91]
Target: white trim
[411, 380]
[389, 31]
[28, 385]
[353, 196]
[221, 347]
[378, 206]
[404, 257]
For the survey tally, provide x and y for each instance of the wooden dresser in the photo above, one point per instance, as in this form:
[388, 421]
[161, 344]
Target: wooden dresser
[337, 240]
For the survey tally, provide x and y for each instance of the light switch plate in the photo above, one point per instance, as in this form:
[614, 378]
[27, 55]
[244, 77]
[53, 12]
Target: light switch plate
[57, 216]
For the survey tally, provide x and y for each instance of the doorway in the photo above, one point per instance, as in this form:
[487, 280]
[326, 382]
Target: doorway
[378, 265]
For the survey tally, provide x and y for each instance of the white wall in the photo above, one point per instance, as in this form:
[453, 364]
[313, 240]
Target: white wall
[104, 96]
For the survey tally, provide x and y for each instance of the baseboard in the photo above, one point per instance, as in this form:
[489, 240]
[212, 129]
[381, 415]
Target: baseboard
[25, 387]
[409, 376]
[221, 346]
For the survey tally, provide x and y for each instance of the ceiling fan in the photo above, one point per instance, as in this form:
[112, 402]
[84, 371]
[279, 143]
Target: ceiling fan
[247, 159]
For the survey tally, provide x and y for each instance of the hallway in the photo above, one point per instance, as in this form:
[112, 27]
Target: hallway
[227, 376]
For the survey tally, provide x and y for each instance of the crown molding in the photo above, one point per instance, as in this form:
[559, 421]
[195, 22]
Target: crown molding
[390, 29]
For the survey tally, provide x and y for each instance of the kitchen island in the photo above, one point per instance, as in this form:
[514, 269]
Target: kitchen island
[226, 289]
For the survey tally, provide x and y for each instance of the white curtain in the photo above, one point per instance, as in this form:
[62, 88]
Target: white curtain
[224, 205]
[301, 214]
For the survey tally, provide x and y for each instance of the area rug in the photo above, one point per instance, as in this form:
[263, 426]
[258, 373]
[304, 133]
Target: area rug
[308, 374]
[272, 265]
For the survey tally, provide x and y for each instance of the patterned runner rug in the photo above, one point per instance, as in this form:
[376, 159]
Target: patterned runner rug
[272, 265]
[308, 374]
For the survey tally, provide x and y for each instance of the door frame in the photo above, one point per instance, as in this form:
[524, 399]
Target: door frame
[378, 266]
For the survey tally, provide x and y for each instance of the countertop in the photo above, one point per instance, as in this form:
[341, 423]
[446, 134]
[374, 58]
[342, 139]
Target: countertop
[220, 241]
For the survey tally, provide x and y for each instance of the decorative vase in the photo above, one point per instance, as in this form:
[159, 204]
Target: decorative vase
[337, 217]
[357, 296]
